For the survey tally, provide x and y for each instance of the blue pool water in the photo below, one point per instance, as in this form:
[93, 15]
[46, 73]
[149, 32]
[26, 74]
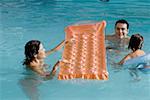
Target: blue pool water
[45, 20]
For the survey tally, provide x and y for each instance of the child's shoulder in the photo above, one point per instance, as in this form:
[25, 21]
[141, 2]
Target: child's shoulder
[140, 52]
[137, 53]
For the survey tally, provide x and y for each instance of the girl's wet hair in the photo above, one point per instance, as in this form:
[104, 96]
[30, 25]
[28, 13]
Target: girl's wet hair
[31, 49]
[136, 42]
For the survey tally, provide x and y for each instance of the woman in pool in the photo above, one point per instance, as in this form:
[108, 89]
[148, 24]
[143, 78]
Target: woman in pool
[135, 44]
[35, 55]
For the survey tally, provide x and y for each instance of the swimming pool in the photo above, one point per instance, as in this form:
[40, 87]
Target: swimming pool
[45, 20]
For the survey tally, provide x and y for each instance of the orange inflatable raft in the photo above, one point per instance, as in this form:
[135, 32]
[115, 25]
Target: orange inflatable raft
[85, 56]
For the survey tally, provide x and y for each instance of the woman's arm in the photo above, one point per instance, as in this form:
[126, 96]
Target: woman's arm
[36, 67]
[59, 46]
[40, 72]
[53, 72]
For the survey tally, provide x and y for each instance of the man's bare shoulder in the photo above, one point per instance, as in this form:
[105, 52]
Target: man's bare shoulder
[110, 37]
[127, 37]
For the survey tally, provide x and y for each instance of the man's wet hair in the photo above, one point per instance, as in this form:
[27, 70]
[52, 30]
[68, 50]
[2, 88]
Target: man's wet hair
[123, 22]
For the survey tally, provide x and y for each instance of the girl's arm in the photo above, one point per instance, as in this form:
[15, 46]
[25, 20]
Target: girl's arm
[125, 59]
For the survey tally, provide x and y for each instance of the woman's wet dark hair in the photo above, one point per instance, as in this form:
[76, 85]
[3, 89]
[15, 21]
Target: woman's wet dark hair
[31, 49]
[136, 42]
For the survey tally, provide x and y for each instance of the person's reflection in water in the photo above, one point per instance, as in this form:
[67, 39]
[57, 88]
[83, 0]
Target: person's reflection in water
[134, 74]
[134, 71]
[30, 83]
[29, 87]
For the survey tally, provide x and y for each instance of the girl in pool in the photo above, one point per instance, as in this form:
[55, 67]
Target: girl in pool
[35, 55]
[135, 44]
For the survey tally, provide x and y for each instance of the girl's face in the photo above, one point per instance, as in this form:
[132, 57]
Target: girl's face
[41, 53]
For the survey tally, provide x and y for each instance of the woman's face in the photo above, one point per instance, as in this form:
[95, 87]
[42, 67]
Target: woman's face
[41, 52]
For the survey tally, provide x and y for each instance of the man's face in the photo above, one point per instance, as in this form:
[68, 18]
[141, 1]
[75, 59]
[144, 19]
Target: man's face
[121, 30]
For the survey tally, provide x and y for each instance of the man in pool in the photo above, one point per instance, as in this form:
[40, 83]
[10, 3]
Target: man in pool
[120, 38]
